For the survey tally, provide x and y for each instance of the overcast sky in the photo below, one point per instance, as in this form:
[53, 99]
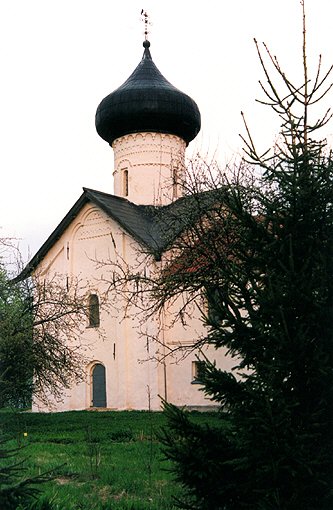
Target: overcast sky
[60, 58]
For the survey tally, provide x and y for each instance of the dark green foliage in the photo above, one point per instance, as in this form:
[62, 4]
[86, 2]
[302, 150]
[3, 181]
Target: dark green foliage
[265, 254]
[15, 344]
[17, 491]
[197, 460]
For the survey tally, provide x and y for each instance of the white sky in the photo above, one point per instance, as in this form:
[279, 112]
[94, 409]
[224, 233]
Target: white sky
[60, 58]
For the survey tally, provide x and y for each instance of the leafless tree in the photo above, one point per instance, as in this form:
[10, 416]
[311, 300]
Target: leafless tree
[42, 346]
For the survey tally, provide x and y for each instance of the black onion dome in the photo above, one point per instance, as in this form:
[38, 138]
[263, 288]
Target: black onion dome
[147, 102]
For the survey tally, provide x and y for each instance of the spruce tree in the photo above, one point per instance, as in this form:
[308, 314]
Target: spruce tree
[262, 253]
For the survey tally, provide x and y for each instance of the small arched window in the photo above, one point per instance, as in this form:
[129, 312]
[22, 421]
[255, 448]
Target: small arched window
[93, 311]
[125, 182]
[175, 182]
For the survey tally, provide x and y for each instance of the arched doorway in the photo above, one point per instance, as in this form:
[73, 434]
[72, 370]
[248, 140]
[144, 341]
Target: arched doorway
[98, 386]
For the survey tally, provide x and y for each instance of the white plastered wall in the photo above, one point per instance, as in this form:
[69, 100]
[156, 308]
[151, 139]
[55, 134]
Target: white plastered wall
[154, 163]
[129, 357]
[93, 237]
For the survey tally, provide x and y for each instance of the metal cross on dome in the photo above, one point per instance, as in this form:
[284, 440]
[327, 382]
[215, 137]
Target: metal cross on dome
[145, 19]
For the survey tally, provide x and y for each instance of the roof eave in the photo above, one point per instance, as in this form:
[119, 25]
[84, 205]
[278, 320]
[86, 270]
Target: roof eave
[52, 239]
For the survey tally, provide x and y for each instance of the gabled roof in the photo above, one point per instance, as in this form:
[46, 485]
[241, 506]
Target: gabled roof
[154, 228]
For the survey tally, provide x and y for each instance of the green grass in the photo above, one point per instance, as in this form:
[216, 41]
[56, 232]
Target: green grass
[103, 460]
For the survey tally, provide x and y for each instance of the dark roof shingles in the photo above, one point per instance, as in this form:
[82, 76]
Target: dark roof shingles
[154, 227]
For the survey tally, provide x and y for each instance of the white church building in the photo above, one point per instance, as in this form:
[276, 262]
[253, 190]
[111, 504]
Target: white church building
[148, 123]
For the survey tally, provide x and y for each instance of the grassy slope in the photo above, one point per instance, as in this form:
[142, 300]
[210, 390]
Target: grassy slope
[109, 460]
